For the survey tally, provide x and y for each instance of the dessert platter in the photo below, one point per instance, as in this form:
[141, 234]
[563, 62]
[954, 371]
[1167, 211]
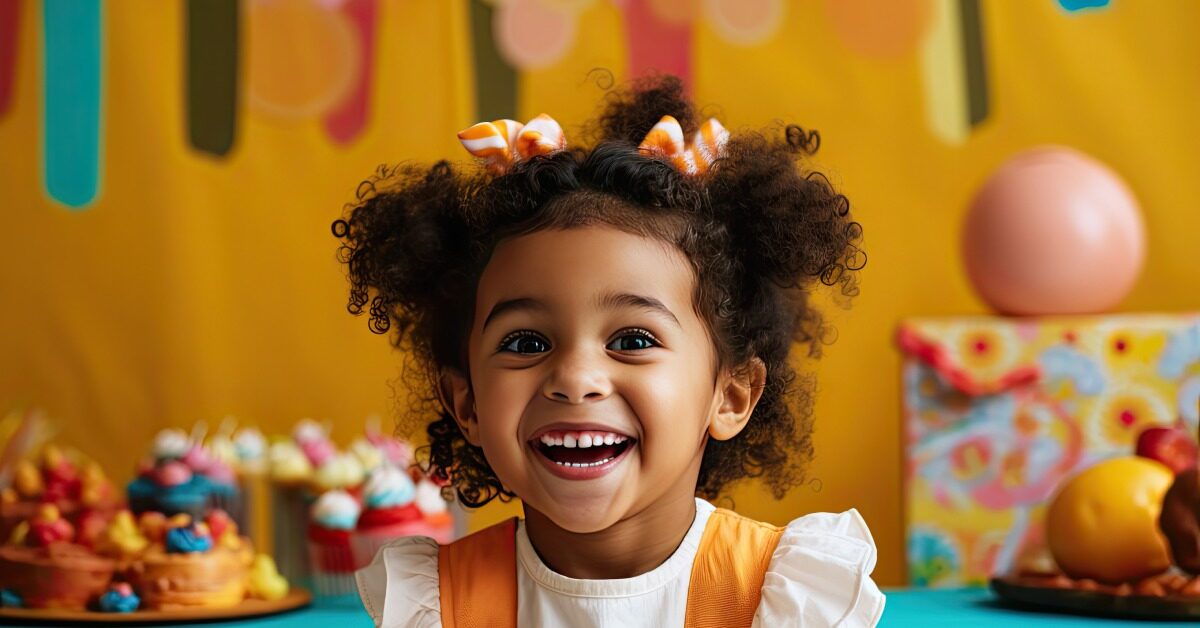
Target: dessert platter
[1122, 538]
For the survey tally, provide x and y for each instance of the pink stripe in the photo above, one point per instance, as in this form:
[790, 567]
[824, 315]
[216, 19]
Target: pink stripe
[9, 24]
[348, 120]
[655, 46]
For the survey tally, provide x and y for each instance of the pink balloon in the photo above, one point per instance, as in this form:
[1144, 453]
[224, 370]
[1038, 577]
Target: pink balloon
[1054, 231]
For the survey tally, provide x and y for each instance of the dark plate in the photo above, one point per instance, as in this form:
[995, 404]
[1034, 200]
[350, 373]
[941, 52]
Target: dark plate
[1096, 603]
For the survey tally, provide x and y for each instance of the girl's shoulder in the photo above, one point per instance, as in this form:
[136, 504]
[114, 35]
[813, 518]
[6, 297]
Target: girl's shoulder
[400, 586]
[820, 574]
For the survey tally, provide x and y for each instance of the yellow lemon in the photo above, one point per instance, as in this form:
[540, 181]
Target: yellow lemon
[1103, 523]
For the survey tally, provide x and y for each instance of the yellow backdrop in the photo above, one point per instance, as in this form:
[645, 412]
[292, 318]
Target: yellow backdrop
[198, 286]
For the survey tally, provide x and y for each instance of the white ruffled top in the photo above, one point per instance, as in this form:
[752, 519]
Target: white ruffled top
[819, 575]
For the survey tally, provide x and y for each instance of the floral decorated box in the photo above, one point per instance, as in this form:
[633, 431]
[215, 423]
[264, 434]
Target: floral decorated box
[998, 410]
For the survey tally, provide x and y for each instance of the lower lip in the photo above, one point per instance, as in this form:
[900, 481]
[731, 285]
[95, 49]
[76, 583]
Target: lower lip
[581, 473]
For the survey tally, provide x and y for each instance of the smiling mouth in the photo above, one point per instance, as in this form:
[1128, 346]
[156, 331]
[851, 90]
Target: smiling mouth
[582, 450]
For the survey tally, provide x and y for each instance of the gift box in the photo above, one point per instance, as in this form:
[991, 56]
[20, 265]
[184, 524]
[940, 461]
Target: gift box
[997, 411]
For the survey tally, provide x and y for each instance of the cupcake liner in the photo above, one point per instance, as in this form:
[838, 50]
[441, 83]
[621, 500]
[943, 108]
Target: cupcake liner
[289, 508]
[332, 568]
[257, 515]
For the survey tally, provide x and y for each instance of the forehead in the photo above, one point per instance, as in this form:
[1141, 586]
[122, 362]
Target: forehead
[573, 266]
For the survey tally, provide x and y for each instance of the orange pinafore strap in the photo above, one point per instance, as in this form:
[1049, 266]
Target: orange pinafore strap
[477, 579]
[727, 576]
[477, 575]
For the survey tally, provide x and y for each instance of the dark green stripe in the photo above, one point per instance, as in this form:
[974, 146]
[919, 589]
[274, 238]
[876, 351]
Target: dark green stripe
[975, 65]
[495, 79]
[212, 74]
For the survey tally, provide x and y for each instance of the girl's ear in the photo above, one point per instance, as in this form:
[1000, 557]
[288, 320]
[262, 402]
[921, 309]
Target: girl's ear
[454, 391]
[740, 391]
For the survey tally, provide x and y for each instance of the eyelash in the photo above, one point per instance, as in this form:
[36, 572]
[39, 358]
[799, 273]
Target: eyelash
[632, 331]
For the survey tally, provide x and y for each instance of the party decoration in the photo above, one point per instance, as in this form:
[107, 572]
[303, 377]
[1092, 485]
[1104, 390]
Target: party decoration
[882, 30]
[659, 33]
[71, 47]
[348, 119]
[954, 70]
[745, 22]
[1053, 231]
[10, 15]
[998, 412]
[531, 35]
[1074, 6]
[303, 58]
[212, 31]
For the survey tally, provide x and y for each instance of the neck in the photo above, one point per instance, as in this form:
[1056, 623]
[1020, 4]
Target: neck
[628, 548]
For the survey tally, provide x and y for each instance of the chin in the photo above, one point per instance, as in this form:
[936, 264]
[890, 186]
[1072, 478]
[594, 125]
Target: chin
[582, 516]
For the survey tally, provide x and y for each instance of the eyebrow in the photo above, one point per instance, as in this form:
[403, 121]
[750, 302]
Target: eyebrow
[611, 300]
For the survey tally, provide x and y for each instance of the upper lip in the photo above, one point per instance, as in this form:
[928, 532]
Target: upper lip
[577, 427]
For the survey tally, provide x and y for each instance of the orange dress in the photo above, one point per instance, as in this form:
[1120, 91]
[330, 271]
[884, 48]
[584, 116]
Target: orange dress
[478, 589]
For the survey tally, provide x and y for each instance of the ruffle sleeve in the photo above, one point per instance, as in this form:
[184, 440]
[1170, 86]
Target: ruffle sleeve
[820, 575]
[400, 586]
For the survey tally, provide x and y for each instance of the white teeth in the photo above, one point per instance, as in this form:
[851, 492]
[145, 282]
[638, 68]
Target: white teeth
[582, 464]
[582, 440]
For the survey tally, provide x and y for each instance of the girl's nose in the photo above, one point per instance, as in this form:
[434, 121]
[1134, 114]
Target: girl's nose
[575, 379]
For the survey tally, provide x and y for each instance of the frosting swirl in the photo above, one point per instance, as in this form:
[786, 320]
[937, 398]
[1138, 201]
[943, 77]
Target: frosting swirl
[429, 498]
[336, 510]
[120, 598]
[187, 540]
[388, 487]
[9, 598]
[171, 443]
[339, 471]
[249, 445]
[289, 463]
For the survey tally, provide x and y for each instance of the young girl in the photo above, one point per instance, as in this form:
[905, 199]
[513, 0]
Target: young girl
[605, 334]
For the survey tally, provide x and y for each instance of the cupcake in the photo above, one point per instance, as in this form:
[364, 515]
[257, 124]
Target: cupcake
[291, 473]
[197, 564]
[42, 566]
[250, 462]
[182, 477]
[331, 558]
[389, 512]
[78, 489]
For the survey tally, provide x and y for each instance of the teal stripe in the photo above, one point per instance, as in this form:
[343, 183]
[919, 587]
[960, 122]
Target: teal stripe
[71, 122]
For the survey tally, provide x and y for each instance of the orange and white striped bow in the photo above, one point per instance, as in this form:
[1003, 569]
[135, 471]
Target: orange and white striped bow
[501, 143]
[666, 140]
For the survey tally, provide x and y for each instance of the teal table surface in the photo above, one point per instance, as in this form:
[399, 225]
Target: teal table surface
[905, 607]
[980, 607]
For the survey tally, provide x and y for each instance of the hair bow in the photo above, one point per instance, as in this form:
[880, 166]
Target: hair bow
[501, 143]
[666, 140]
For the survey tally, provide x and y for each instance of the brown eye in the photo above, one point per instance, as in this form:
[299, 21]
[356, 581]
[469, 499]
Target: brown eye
[524, 343]
[636, 340]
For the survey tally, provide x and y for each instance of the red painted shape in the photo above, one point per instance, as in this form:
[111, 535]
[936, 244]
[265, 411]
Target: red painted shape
[655, 46]
[936, 356]
[347, 121]
[10, 15]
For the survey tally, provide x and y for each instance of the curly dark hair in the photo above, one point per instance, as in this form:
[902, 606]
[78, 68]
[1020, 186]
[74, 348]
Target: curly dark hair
[761, 233]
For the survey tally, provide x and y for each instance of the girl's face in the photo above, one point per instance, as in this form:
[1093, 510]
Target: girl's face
[593, 382]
